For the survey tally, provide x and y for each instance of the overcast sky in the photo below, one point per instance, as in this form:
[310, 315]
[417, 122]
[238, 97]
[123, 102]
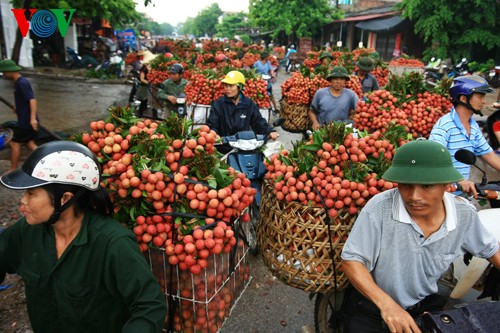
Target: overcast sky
[176, 11]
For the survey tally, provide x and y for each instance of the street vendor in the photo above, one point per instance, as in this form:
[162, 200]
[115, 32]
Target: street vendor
[83, 271]
[369, 82]
[325, 59]
[26, 110]
[234, 112]
[405, 238]
[172, 87]
[334, 103]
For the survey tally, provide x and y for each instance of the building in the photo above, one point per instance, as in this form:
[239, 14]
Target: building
[375, 24]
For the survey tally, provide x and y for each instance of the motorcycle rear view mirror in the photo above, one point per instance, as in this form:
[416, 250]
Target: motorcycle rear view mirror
[278, 122]
[465, 156]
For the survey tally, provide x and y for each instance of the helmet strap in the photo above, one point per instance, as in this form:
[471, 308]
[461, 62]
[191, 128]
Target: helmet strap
[468, 106]
[59, 209]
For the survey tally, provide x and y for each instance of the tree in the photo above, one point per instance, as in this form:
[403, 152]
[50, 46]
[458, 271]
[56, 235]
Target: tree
[455, 27]
[206, 20]
[231, 24]
[297, 18]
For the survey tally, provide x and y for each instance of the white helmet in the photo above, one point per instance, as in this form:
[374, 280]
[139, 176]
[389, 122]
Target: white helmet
[56, 162]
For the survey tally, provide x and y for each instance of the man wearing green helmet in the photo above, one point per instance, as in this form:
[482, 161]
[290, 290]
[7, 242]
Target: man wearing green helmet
[404, 239]
[334, 103]
[369, 82]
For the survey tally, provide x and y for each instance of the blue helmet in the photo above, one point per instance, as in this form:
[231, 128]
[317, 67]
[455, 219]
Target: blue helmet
[468, 85]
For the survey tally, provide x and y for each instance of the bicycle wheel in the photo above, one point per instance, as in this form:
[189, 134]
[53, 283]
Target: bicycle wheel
[324, 308]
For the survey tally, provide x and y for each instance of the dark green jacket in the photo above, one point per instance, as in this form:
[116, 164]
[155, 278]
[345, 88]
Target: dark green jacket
[101, 283]
[170, 89]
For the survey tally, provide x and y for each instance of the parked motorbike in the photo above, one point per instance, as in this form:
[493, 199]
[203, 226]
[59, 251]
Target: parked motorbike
[493, 77]
[461, 68]
[247, 156]
[435, 70]
[41, 54]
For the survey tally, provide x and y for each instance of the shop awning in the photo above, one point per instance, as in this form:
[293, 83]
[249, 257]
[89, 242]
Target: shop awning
[365, 17]
[394, 23]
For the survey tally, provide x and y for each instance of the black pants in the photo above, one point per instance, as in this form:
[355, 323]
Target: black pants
[362, 316]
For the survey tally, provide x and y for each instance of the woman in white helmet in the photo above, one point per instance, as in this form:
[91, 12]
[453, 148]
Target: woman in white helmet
[83, 271]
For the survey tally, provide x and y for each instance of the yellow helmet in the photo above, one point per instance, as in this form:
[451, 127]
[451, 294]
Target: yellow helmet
[234, 77]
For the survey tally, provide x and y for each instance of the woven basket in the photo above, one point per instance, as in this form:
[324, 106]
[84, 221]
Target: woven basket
[293, 240]
[296, 117]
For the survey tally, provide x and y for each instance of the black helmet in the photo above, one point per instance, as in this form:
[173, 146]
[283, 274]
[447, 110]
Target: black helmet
[264, 55]
[176, 69]
[57, 162]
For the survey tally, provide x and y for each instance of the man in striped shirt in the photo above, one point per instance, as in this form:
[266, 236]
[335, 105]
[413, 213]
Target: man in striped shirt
[458, 130]
[405, 238]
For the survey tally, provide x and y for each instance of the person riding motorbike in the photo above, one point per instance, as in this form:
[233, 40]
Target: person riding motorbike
[458, 129]
[172, 87]
[235, 112]
[264, 68]
[76, 261]
[405, 238]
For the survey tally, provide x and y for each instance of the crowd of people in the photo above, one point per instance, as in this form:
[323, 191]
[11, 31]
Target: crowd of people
[77, 262]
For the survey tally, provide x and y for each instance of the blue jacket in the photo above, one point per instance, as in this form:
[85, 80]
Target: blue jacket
[226, 118]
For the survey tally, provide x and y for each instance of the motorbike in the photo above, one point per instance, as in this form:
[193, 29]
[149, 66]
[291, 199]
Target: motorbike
[494, 117]
[247, 156]
[461, 68]
[180, 105]
[41, 54]
[434, 70]
[493, 77]
[327, 306]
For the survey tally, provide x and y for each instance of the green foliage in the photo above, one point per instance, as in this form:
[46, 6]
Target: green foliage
[474, 66]
[454, 27]
[231, 25]
[204, 23]
[301, 18]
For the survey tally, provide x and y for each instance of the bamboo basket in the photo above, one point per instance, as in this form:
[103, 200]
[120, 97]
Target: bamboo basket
[294, 243]
[296, 117]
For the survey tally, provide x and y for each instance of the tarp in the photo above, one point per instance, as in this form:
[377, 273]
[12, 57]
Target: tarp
[395, 23]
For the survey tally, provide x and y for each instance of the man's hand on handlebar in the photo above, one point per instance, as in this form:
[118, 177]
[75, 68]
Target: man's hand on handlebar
[398, 320]
[468, 187]
[273, 135]
[172, 99]
[315, 126]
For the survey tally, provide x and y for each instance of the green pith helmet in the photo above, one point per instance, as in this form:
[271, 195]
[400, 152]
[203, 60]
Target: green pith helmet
[365, 64]
[375, 56]
[325, 55]
[338, 71]
[422, 162]
[9, 66]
